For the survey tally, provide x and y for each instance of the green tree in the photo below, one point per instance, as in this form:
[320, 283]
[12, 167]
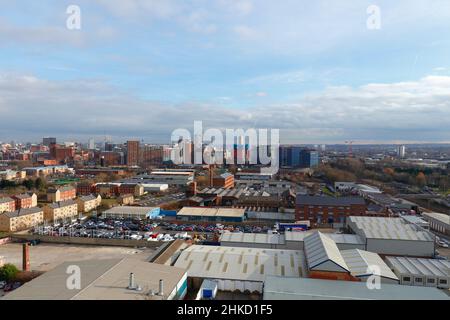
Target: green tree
[8, 272]
[40, 183]
[29, 184]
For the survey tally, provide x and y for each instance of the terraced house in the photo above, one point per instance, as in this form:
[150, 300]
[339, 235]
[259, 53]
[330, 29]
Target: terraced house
[25, 200]
[7, 204]
[61, 194]
[88, 203]
[61, 210]
[21, 219]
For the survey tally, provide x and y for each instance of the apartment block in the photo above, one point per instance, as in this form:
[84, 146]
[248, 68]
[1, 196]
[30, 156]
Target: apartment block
[26, 200]
[7, 204]
[61, 210]
[21, 219]
[88, 203]
[61, 194]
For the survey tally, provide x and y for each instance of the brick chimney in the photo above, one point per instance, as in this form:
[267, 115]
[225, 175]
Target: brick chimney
[25, 257]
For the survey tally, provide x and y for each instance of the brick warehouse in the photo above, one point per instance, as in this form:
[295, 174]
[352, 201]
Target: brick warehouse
[324, 209]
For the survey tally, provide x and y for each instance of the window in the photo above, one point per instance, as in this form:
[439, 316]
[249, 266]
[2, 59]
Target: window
[442, 281]
[430, 281]
[418, 280]
[406, 279]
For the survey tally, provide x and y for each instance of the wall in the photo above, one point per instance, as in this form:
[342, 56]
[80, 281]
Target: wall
[90, 241]
[401, 247]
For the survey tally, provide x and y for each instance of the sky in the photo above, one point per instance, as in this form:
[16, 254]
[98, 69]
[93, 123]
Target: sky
[139, 69]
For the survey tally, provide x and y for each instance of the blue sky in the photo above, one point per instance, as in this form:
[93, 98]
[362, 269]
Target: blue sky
[140, 69]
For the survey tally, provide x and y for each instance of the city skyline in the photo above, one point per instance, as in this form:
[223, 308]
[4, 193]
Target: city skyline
[140, 69]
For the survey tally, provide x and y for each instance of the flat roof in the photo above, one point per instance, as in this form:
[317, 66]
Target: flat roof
[338, 238]
[359, 262]
[284, 288]
[419, 266]
[211, 212]
[129, 210]
[237, 263]
[101, 280]
[387, 228]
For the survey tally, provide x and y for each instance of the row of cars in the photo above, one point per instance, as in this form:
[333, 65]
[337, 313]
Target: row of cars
[216, 228]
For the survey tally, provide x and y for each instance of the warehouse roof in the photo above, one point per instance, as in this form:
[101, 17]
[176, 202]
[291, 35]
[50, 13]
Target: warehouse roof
[247, 264]
[129, 210]
[211, 212]
[101, 280]
[252, 238]
[419, 266]
[438, 216]
[338, 238]
[320, 249]
[23, 212]
[329, 201]
[283, 288]
[387, 228]
[359, 262]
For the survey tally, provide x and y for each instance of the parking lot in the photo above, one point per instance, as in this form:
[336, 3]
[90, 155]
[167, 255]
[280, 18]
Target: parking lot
[153, 201]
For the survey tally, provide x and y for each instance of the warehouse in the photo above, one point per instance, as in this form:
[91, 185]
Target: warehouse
[211, 214]
[438, 222]
[362, 266]
[289, 240]
[241, 269]
[141, 213]
[421, 272]
[107, 280]
[279, 288]
[253, 240]
[324, 259]
[392, 236]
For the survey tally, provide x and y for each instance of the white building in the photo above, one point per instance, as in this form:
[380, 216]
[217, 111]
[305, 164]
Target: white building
[392, 236]
[438, 222]
[242, 269]
[421, 272]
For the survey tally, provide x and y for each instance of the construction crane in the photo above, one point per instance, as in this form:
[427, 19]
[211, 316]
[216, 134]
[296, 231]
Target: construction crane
[350, 148]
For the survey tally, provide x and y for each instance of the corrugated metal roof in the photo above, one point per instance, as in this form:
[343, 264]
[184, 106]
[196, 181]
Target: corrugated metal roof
[246, 264]
[387, 228]
[320, 249]
[252, 238]
[359, 262]
[438, 216]
[419, 266]
[211, 212]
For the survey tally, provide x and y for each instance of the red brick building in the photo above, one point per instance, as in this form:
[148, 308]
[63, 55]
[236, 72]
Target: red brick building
[25, 201]
[225, 181]
[85, 189]
[325, 209]
[132, 153]
[61, 194]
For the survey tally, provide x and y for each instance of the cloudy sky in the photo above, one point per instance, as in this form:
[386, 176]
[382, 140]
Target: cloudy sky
[142, 68]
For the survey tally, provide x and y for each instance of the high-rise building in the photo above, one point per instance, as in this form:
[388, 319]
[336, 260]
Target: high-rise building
[91, 144]
[298, 157]
[47, 141]
[132, 153]
[401, 151]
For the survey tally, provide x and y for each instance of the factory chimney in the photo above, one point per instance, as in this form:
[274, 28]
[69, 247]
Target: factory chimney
[161, 287]
[25, 257]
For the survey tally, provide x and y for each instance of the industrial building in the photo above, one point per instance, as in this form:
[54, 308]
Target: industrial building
[129, 212]
[421, 272]
[288, 240]
[362, 265]
[438, 222]
[211, 214]
[392, 236]
[241, 269]
[284, 288]
[112, 279]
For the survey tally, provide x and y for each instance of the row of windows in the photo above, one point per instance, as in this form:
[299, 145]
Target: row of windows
[420, 280]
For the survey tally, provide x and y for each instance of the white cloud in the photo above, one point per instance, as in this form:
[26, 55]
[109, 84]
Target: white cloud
[415, 110]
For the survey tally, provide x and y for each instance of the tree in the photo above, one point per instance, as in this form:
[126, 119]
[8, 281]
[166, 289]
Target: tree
[8, 272]
[28, 184]
[421, 179]
[40, 183]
